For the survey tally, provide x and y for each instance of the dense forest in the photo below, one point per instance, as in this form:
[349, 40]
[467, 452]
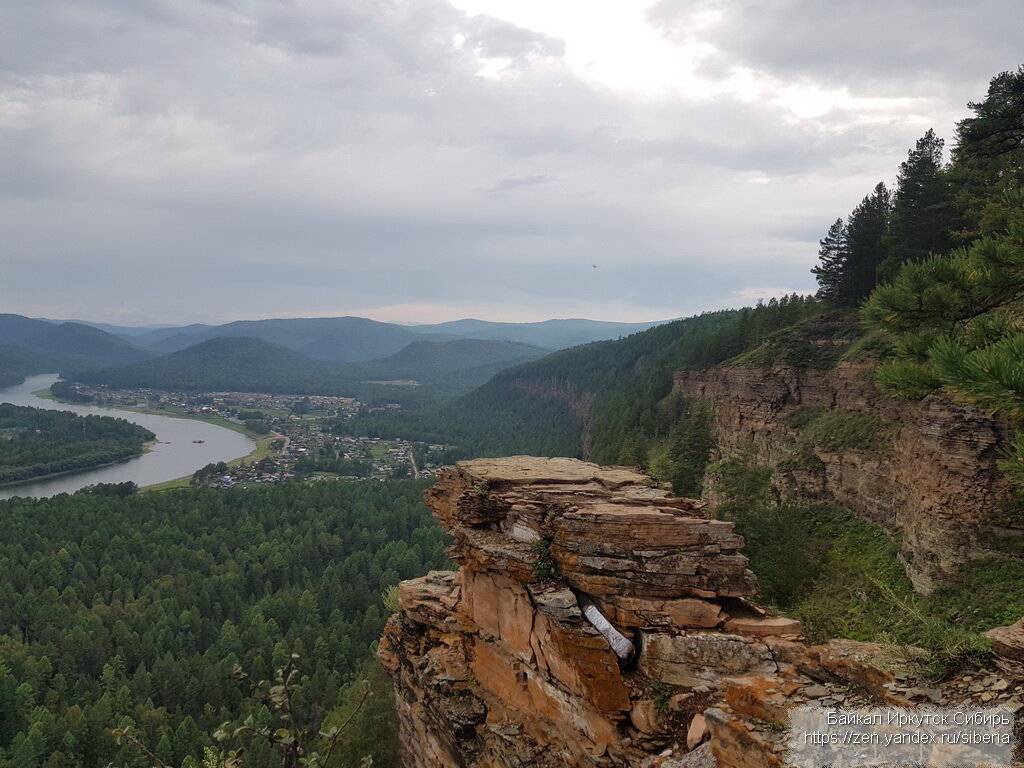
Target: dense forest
[136, 611]
[36, 442]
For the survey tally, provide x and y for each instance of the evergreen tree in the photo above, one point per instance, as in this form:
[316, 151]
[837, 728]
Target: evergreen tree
[866, 246]
[832, 256]
[922, 210]
[955, 323]
[851, 252]
[988, 158]
[997, 127]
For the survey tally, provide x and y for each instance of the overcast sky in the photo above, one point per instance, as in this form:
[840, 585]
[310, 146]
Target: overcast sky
[423, 160]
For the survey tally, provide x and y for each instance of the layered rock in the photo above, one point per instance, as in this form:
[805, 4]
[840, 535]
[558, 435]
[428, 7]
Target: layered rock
[496, 665]
[936, 485]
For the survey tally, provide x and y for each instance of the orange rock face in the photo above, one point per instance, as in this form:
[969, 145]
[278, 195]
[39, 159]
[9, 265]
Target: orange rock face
[936, 485]
[497, 665]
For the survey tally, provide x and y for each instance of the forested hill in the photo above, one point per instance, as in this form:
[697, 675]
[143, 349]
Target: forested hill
[17, 362]
[36, 442]
[29, 346]
[241, 364]
[460, 362]
[254, 365]
[593, 399]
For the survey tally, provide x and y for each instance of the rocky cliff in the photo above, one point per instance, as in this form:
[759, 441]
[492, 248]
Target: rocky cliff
[933, 482]
[595, 620]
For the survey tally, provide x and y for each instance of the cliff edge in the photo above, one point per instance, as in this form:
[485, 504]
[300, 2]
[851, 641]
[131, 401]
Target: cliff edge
[596, 620]
[928, 475]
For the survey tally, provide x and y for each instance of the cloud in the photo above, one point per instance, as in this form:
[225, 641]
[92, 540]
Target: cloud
[515, 182]
[194, 159]
[870, 47]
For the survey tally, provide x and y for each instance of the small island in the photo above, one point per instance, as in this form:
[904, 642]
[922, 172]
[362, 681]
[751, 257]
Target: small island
[37, 443]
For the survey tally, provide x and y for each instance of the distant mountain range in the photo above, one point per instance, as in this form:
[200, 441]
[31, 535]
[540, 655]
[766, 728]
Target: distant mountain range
[356, 339]
[255, 365]
[455, 355]
[30, 346]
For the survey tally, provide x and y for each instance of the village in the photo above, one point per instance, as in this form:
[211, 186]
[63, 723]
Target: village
[296, 433]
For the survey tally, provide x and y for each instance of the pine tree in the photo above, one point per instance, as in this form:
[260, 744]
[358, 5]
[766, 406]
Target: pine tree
[832, 256]
[852, 251]
[998, 123]
[988, 158]
[865, 242]
[922, 209]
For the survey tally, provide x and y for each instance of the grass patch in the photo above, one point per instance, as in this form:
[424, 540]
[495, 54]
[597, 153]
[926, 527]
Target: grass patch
[989, 593]
[379, 450]
[815, 343]
[841, 577]
[869, 348]
[838, 429]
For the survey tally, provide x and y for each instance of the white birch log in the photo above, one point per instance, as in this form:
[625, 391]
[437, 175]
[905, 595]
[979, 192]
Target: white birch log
[620, 643]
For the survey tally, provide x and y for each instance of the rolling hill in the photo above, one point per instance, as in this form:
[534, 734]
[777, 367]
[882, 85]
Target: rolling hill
[357, 339]
[244, 364]
[29, 346]
[457, 364]
[256, 365]
[339, 339]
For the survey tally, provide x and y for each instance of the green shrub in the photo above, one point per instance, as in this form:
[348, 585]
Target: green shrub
[545, 569]
[741, 484]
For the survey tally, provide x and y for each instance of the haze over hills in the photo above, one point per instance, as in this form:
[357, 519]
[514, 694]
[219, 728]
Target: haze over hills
[37, 346]
[550, 334]
[341, 339]
[251, 364]
[451, 356]
[356, 339]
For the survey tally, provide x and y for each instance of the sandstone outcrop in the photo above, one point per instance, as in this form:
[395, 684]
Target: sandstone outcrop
[496, 665]
[936, 485]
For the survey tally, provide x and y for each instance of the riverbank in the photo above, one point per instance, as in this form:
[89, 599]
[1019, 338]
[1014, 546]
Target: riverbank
[67, 472]
[46, 394]
[261, 451]
[183, 445]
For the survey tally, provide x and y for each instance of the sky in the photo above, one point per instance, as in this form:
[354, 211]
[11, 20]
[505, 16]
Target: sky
[175, 161]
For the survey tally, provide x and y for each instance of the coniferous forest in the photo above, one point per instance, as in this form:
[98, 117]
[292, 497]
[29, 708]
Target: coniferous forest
[135, 612]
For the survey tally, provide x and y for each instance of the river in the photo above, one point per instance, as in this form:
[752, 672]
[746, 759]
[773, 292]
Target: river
[175, 454]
